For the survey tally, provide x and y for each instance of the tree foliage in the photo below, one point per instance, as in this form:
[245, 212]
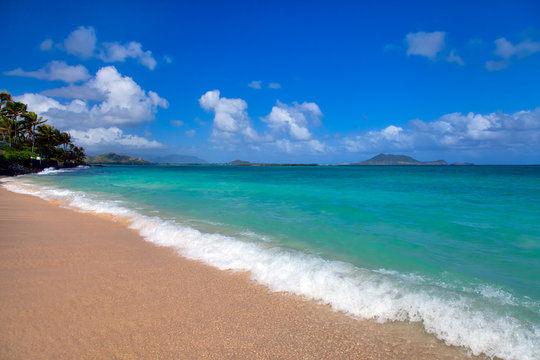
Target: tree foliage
[27, 136]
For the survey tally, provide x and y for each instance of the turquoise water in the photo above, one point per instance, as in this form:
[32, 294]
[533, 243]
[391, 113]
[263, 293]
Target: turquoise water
[456, 248]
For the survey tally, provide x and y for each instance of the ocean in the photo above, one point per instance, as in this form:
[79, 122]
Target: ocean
[456, 248]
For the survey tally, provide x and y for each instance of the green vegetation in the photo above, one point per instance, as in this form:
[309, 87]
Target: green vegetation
[388, 159]
[25, 136]
[239, 162]
[115, 159]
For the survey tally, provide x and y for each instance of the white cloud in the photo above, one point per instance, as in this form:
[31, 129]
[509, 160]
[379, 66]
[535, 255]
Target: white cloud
[100, 137]
[55, 70]
[112, 52]
[76, 92]
[289, 125]
[46, 45]
[454, 131]
[81, 42]
[176, 123]
[455, 58]
[506, 49]
[231, 118]
[126, 103]
[274, 85]
[293, 119]
[38, 103]
[255, 84]
[123, 103]
[425, 44]
[190, 133]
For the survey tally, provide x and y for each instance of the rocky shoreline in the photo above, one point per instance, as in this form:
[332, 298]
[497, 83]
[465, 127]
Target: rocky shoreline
[10, 168]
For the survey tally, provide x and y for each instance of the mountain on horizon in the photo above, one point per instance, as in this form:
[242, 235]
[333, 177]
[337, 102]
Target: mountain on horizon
[389, 159]
[115, 159]
[239, 162]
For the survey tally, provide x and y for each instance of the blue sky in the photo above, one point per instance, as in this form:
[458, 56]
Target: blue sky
[283, 81]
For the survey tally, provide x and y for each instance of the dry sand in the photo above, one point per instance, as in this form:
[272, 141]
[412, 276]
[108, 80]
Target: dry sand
[77, 286]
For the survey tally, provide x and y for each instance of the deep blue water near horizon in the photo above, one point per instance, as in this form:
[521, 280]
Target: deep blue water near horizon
[433, 244]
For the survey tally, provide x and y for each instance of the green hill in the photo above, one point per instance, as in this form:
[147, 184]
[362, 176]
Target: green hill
[239, 162]
[388, 159]
[115, 159]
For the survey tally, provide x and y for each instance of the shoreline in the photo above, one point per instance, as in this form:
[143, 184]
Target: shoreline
[76, 285]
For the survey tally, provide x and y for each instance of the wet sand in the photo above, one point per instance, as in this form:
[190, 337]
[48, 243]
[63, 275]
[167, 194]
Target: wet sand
[77, 286]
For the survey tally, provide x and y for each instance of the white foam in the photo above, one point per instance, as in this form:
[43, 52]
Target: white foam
[457, 318]
[253, 236]
[54, 171]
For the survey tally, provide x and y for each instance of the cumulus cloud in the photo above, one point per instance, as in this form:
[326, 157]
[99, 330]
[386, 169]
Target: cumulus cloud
[231, 118]
[39, 103]
[123, 103]
[55, 70]
[427, 44]
[112, 52]
[456, 131]
[274, 85]
[507, 51]
[191, 132]
[288, 126]
[113, 136]
[255, 84]
[81, 42]
[294, 119]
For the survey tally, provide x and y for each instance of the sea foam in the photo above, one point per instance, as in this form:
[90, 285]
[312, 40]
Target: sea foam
[54, 171]
[458, 318]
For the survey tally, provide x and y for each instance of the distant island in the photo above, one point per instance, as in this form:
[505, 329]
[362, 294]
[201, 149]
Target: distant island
[239, 162]
[115, 159]
[379, 160]
[388, 159]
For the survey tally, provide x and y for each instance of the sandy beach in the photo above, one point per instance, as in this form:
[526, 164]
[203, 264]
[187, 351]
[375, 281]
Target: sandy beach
[79, 286]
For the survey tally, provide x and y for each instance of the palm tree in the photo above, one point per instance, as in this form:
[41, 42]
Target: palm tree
[64, 139]
[4, 98]
[25, 129]
[4, 127]
[80, 156]
[12, 110]
[31, 121]
[45, 133]
[56, 137]
[46, 139]
[11, 127]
